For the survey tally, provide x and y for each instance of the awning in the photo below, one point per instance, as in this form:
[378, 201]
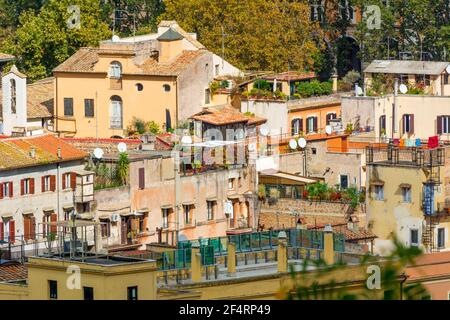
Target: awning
[405, 185]
[7, 215]
[167, 206]
[49, 209]
[68, 207]
[188, 203]
[28, 212]
[377, 183]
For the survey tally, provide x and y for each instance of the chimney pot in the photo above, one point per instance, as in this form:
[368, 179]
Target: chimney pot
[58, 153]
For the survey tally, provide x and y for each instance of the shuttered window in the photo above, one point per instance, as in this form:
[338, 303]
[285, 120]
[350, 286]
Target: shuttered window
[443, 124]
[88, 107]
[68, 107]
[27, 186]
[48, 183]
[29, 227]
[311, 124]
[408, 123]
[141, 178]
[297, 126]
[6, 190]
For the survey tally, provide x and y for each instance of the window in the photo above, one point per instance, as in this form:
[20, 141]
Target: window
[408, 123]
[68, 107]
[115, 70]
[314, 150]
[47, 218]
[141, 223]
[446, 79]
[27, 186]
[115, 113]
[317, 10]
[139, 86]
[443, 124]
[6, 190]
[296, 126]
[13, 96]
[166, 88]
[441, 238]
[311, 124]
[217, 70]
[382, 124]
[29, 227]
[89, 108]
[8, 230]
[210, 208]
[132, 293]
[423, 79]
[343, 181]
[207, 96]
[141, 178]
[165, 218]
[406, 194]
[88, 293]
[45, 183]
[105, 227]
[187, 214]
[379, 193]
[53, 289]
[331, 116]
[414, 237]
[66, 181]
[230, 184]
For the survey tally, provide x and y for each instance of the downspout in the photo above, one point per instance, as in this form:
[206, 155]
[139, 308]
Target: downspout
[405, 277]
[176, 103]
[56, 106]
[394, 108]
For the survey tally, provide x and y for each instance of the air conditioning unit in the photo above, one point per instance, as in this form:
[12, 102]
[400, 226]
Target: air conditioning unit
[115, 217]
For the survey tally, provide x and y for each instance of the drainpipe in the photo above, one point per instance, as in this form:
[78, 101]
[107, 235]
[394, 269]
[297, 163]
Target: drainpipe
[394, 108]
[405, 277]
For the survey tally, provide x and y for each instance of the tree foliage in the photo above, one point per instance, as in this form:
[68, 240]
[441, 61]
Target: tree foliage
[44, 39]
[259, 34]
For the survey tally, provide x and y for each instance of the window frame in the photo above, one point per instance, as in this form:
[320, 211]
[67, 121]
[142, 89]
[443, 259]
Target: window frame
[116, 105]
[115, 70]
[438, 238]
[90, 295]
[210, 205]
[411, 231]
[165, 218]
[406, 197]
[89, 103]
[130, 291]
[68, 106]
[53, 284]
[377, 192]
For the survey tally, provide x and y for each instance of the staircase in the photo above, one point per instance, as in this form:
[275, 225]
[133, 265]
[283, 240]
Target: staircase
[428, 236]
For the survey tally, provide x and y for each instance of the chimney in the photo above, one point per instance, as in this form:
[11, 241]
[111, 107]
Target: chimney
[33, 153]
[170, 44]
[58, 153]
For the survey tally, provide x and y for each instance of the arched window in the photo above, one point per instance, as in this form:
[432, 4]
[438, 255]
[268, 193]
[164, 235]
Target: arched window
[296, 126]
[13, 96]
[115, 113]
[115, 70]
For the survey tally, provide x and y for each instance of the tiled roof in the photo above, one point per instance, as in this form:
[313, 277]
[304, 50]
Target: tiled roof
[39, 99]
[13, 271]
[85, 59]
[15, 152]
[291, 76]
[6, 57]
[170, 35]
[225, 115]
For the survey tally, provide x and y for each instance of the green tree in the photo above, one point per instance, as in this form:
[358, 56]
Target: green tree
[258, 35]
[43, 40]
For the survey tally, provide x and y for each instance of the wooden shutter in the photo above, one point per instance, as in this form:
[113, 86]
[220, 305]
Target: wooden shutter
[141, 178]
[32, 186]
[300, 126]
[11, 189]
[1, 190]
[439, 125]
[53, 218]
[411, 123]
[43, 184]
[22, 187]
[26, 227]
[2, 231]
[52, 183]
[44, 226]
[12, 231]
[293, 127]
[33, 227]
[315, 124]
[64, 181]
[73, 180]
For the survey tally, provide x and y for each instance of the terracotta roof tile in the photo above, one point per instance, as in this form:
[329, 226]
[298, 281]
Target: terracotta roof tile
[291, 76]
[13, 271]
[15, 152]
[220, 116]
[39, 99]
[175, 67]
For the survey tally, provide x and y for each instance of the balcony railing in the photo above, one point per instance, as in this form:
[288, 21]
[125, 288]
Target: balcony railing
[405, 156]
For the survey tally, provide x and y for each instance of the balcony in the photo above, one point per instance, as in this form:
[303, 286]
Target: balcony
[392, 155]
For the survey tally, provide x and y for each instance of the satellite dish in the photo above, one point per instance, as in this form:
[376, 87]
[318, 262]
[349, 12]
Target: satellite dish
[403, 89]
[122, 147]
[293, 144]
[328, 130]
[448, 69]
[98, 153]
[186, 140]
[302, 143]
[264, 130]
[115, 38]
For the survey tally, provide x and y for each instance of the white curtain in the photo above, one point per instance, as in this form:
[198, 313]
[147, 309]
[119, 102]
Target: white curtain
[116, 114]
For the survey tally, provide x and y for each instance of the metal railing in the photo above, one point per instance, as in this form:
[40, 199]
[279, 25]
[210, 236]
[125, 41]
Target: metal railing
[410, 156]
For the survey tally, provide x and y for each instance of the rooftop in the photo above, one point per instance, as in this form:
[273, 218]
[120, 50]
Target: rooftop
[291, 76]
[4, 57]
[12, 271]
[39, 99]
[223, 115]
[16, 152]
[407, 67]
